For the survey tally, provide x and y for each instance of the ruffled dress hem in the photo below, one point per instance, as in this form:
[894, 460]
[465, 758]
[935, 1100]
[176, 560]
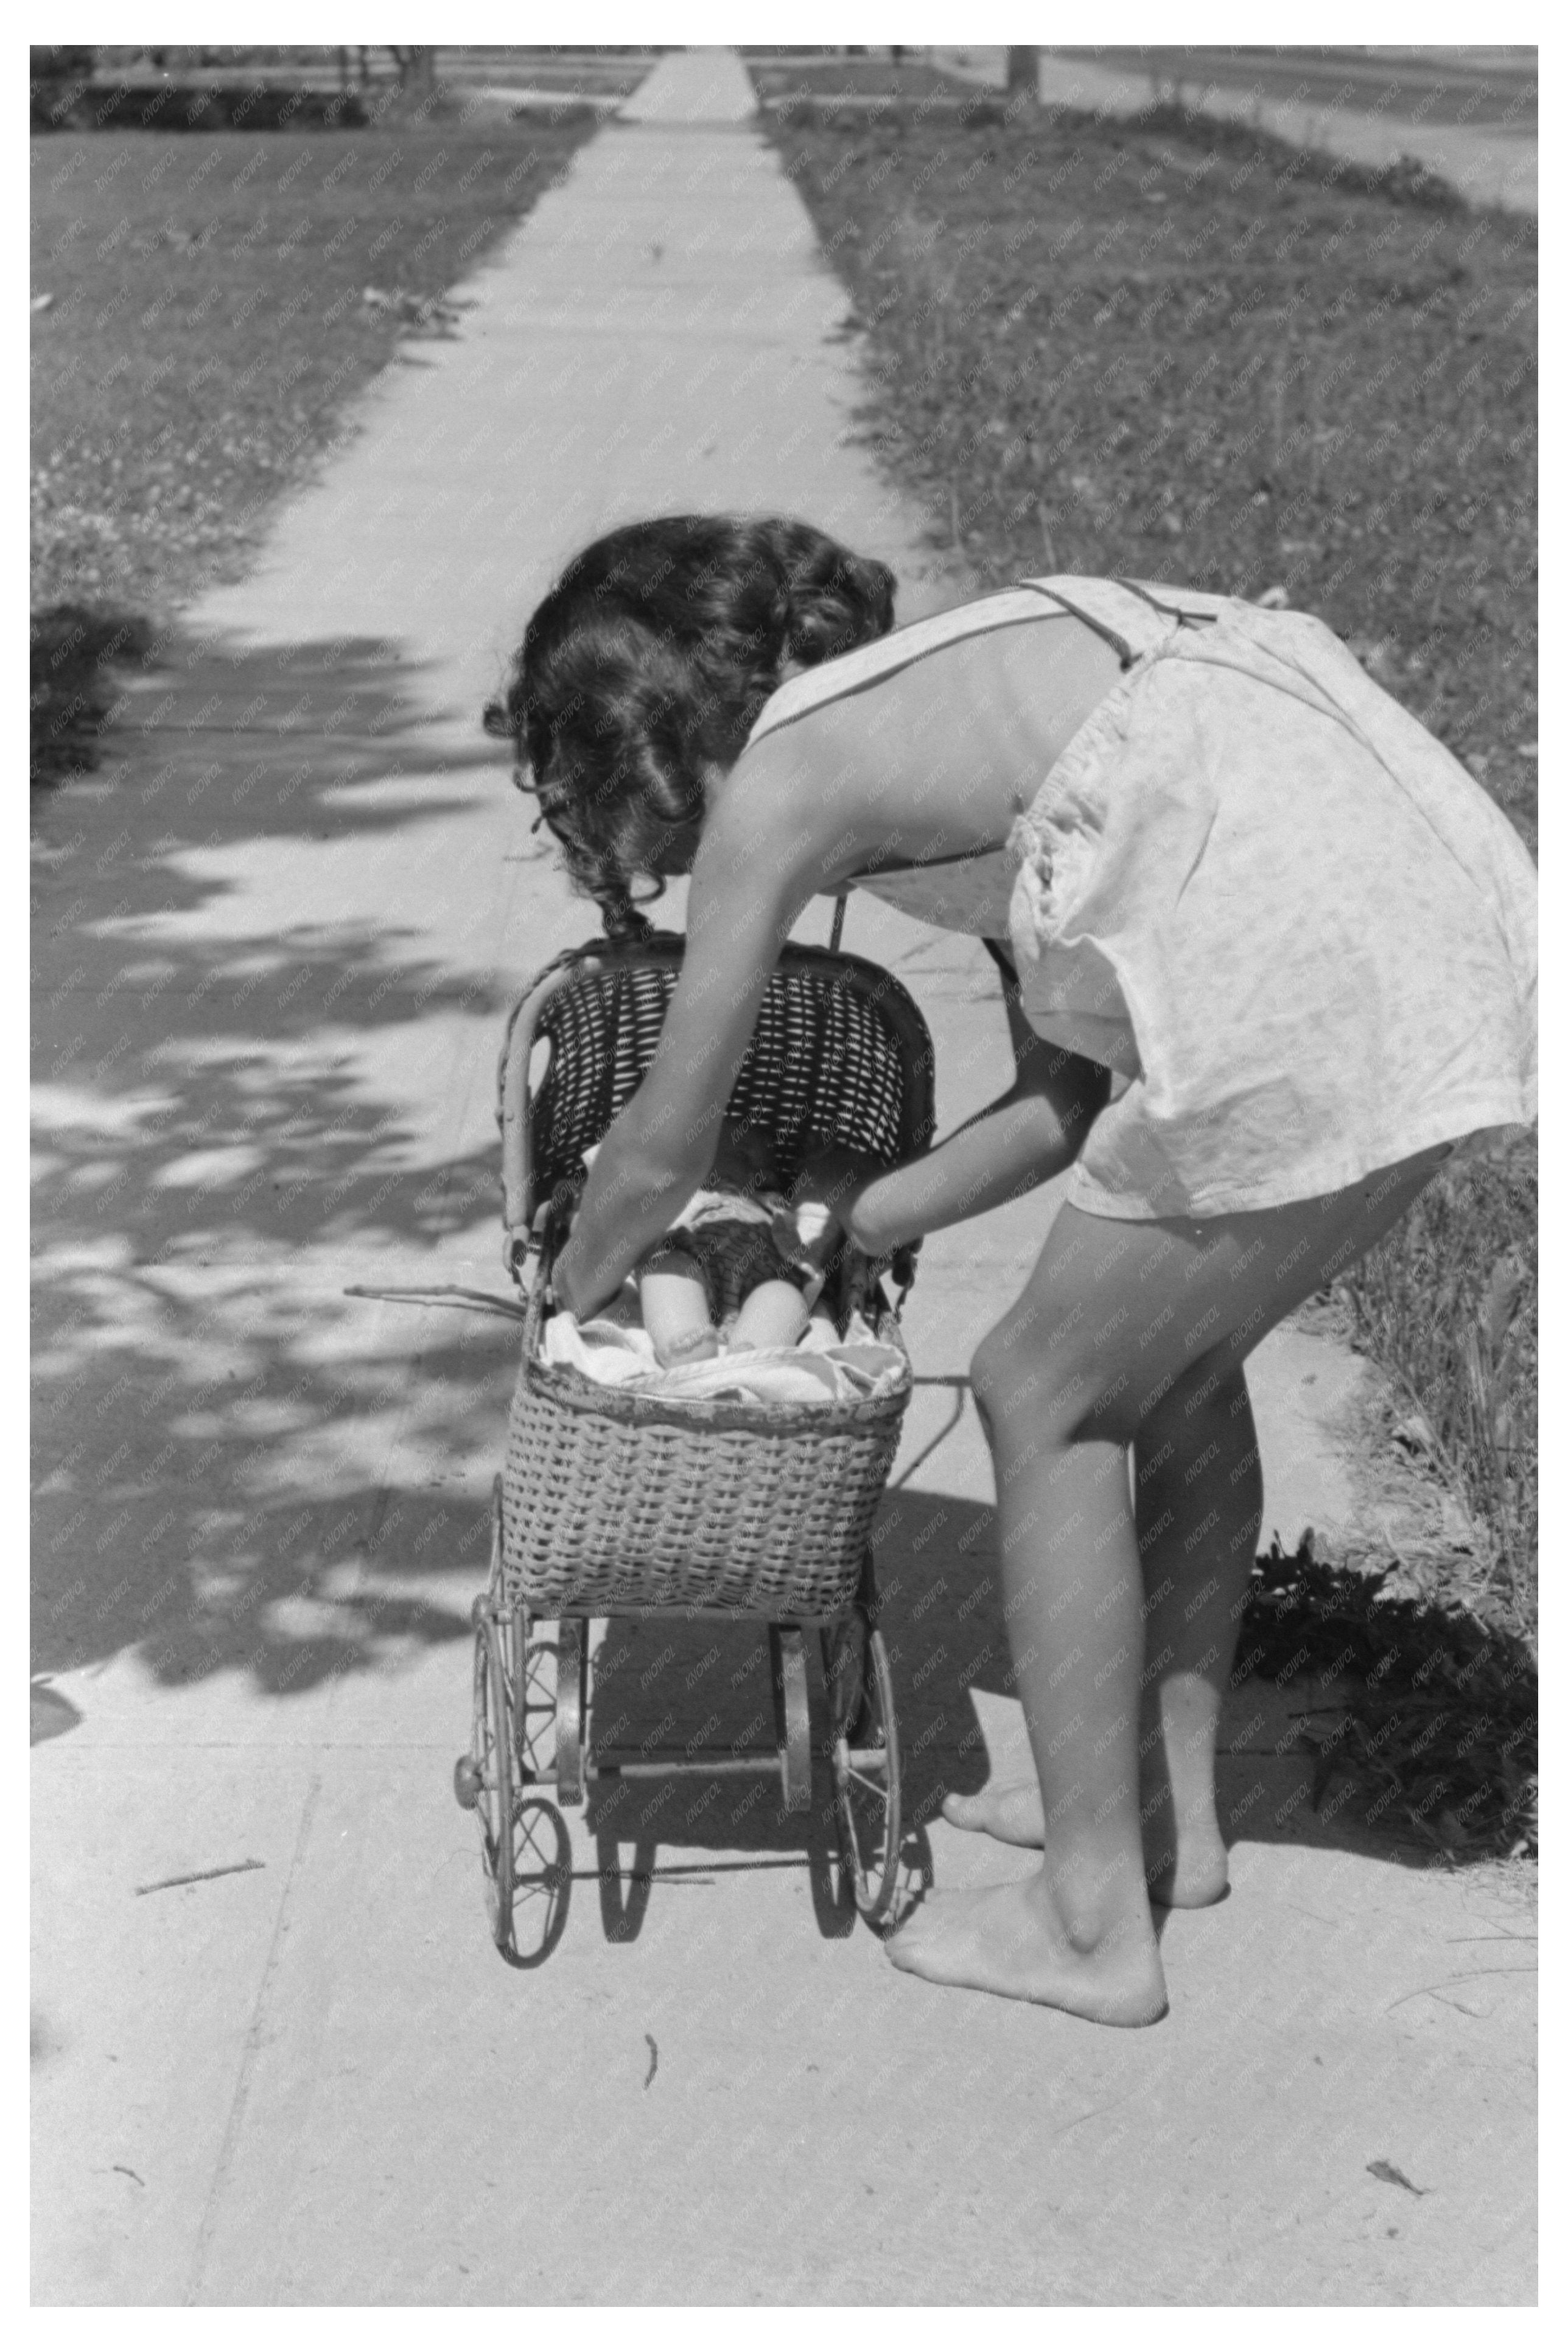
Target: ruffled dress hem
[1486, 1132]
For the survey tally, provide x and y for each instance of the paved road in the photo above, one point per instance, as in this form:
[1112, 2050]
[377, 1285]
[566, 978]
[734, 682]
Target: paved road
[276, 937]
[1490, 86]
[1371, 115]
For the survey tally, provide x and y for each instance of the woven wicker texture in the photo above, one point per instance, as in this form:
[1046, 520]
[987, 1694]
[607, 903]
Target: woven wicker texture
[651, 1504]
[611, 1498]
[839, 1054]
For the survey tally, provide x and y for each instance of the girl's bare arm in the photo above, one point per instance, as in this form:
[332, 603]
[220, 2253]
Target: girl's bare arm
[746, 892]
[1021, 1140]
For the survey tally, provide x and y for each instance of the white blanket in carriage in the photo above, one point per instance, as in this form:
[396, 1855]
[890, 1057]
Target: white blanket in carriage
[820, 1370]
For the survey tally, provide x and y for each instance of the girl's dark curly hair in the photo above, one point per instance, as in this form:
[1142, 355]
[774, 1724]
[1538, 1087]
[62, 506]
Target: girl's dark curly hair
[649, 659]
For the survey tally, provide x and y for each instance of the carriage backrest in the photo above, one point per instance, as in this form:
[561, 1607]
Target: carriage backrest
[840, 1056]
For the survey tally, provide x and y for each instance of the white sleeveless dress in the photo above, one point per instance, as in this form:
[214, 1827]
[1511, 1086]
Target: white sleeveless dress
[1253, 885]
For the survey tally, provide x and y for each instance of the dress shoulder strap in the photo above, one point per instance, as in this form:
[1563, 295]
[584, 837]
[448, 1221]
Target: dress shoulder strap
[1131, 617]
[850, 672]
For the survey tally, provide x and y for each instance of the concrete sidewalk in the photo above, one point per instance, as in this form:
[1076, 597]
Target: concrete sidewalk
[277, 2058]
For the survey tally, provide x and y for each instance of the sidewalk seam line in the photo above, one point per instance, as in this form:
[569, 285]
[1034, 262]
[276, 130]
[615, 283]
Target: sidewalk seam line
[230, 2143]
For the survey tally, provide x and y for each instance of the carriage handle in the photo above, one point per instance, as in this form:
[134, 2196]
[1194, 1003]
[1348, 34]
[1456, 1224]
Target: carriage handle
[518, 1206]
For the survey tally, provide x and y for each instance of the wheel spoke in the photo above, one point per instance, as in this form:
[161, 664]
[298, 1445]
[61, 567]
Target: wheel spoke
[530, 1843]
[866, 1776]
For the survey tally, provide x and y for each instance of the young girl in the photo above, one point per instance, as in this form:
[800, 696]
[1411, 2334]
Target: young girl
[1274, 956]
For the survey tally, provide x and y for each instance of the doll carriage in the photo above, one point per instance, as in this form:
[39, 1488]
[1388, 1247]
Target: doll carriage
[616, 1503]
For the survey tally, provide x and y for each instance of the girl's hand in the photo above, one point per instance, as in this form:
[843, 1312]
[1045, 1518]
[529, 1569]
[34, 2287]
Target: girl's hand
[805, 1231]
[566, 1289]
[832, 1179]
[745, 894]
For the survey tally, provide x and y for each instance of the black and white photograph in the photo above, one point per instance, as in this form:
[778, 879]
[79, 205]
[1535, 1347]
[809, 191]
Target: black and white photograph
[784, 1337]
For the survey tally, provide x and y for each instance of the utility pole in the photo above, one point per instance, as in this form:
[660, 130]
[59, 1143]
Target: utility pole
[1023, 75]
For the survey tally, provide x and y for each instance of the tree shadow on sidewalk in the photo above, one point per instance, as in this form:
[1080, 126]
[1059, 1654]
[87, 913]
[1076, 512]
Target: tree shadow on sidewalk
[235, 1466]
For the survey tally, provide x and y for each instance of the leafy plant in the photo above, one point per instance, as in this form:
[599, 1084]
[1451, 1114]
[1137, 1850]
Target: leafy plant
[72, 652]
[1431, 1721]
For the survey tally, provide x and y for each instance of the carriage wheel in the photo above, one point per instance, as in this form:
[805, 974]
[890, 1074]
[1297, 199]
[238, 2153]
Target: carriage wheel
[571, 1708]
[866, 1783]
[513, 1629]
[490, 1764]
[530, 1668]
[533, 1698]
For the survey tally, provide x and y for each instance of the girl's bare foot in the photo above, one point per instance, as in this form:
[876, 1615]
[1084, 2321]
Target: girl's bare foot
[1011, 1940]
[1197, 1875]
[1194, 1880]
[1184, 1858]
[1008, 1810]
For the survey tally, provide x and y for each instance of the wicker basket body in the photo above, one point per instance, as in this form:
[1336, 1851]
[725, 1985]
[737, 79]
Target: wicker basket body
[625, 1499]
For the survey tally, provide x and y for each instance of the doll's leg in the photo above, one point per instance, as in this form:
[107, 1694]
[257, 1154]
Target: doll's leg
[675, 1310]
[773, 1315]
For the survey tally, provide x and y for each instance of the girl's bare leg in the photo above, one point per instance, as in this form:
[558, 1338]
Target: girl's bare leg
[1200, 1508]
[1195, 1464]
[1114, 1316]
[1077, 1935]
